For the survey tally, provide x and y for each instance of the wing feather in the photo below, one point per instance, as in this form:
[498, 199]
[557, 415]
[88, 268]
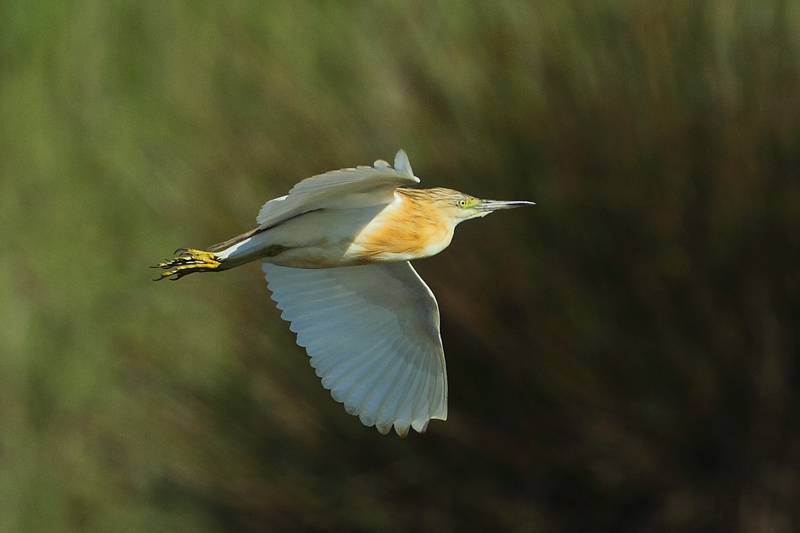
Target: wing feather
[372, 333]
[414, 387]
[382, 405]
[338, 189]
[375, 393]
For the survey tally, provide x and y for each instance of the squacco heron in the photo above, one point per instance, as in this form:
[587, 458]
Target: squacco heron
[336, 254]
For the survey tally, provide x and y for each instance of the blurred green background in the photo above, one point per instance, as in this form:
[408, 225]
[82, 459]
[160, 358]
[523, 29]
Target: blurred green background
[622, 357]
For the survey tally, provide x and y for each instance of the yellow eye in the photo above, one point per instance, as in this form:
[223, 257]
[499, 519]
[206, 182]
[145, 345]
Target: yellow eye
[462, 203]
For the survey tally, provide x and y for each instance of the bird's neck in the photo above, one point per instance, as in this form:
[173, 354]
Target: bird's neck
[409, 228]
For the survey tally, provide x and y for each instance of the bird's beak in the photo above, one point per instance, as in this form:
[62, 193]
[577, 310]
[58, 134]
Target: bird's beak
[487, 206]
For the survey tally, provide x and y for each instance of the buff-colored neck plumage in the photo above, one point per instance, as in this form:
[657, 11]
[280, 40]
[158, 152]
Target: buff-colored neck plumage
[418, 224]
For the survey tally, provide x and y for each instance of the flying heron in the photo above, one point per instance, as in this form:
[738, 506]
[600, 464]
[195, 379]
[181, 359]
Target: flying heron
[336, 254]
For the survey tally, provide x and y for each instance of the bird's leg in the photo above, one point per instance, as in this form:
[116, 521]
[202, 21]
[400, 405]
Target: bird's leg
[188, 262]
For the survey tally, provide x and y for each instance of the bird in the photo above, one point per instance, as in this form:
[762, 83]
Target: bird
[335, 252]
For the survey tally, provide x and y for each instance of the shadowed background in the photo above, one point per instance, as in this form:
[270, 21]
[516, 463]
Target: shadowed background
[622, 357]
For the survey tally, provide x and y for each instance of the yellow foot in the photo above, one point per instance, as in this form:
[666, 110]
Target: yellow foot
[188, 262]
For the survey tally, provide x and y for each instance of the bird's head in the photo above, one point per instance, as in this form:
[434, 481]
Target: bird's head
[460, 206]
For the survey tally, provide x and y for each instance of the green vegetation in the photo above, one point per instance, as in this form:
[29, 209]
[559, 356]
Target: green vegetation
[622, 357]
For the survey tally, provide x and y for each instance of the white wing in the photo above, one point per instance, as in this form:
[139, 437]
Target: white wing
[349, 187]
[372, 333]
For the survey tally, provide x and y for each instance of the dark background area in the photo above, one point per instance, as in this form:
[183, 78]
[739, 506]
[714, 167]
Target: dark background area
[622, 357]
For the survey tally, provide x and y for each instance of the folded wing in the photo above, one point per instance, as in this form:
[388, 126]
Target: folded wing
[372, 333]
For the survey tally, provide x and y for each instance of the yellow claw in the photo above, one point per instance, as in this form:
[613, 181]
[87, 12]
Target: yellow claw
[188, 262]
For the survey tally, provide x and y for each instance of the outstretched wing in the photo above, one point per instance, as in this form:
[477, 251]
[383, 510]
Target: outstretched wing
[338, 189]
[372, 333]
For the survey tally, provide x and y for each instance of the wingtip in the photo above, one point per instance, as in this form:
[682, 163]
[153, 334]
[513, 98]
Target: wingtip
[420, 425]
[402, 164]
